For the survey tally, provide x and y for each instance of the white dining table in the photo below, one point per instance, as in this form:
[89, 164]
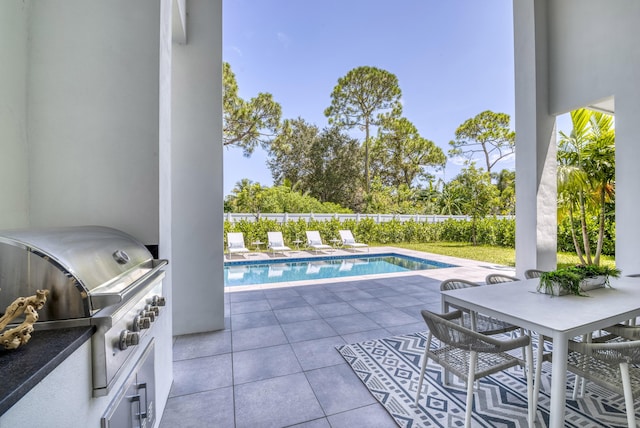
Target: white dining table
[559, 317]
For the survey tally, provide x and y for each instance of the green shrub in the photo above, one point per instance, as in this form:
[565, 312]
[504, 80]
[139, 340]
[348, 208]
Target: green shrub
[490, 231]
[565, 242]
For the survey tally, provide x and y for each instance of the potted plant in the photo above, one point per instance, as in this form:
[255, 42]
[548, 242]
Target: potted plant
[576, 279]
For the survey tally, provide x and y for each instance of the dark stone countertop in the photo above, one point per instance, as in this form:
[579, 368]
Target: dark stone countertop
[23, 368]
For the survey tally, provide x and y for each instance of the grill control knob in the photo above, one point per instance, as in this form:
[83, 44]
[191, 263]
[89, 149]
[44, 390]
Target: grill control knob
[158, 301]
[145, 322]
[148, 314]
[141, 322]
[153, 309]
[128, 338]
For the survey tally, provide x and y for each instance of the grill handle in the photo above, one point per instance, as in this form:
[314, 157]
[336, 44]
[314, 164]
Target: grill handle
[102, 300]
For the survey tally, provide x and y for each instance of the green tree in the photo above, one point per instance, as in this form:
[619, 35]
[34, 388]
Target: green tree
[360, 99]
[401, 156]
[487, 135]
[429, 195]
[395, 200]
[600, 163]
[254, 198]
[476, 193]
[247, 124]
[451, 199]
[323, 164]
[379, 198]
[586, 173]
[334, 170]
[289, 152]
[506, 184]
[248, 197]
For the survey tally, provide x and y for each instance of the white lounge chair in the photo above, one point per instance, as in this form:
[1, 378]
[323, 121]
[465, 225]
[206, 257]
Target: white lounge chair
[276, 243]
[235, 243]
[349, 241]
[314, 241]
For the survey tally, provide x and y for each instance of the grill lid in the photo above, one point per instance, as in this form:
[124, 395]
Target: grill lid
[86, 268]
[95, 256]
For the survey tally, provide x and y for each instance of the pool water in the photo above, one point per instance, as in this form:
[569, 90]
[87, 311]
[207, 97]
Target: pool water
[265, 272]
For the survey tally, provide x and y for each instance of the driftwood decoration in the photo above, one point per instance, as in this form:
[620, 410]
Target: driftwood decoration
[28, 306]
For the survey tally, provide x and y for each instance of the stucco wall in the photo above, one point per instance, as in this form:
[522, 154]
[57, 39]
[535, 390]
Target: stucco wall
[593, 51]
[14, 179]
[196, 171]
[93, 114]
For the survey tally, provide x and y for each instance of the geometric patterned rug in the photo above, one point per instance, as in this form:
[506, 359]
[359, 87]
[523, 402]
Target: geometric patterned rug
[390, 369]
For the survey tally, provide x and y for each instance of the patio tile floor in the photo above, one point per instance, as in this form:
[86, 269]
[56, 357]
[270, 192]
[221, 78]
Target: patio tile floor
[275, 364]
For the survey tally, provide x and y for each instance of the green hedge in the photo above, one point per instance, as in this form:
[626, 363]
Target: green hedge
[565, 243]
[490, 231]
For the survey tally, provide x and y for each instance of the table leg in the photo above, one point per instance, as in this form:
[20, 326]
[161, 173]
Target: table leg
[537, 372]
[558, 380]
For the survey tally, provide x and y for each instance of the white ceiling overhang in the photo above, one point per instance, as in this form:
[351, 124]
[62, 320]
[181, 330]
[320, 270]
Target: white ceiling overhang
[605, 106]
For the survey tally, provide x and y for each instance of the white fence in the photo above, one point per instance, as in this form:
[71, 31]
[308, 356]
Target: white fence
[378, 218]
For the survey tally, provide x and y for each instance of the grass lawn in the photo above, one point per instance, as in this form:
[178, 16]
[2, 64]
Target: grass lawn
[495, 255]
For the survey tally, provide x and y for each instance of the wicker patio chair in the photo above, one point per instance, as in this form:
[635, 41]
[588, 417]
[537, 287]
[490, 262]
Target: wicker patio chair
[478, 322]
[471, 355]
[498, 278]
[533, 273]
[611, 364]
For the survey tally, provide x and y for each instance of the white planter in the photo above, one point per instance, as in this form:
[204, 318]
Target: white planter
[593, 283]
[557, 290]
[585, 285]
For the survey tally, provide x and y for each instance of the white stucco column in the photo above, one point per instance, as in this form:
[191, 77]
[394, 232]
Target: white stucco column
[627, 181]
[536, 194]
[196, 172]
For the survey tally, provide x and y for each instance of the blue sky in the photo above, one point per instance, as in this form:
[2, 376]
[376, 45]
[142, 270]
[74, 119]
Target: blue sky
[453, 60]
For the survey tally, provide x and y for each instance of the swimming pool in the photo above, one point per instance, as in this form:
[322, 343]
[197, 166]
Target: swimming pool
[250, 272]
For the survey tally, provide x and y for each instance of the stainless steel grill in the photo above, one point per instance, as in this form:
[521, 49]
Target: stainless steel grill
[95, 276]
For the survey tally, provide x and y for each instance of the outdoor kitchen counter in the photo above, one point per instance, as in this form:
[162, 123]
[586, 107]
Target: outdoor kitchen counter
[23, 368]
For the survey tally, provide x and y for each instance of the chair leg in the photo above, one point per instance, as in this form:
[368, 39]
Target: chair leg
[580, 383]
[628, 395]
[522, 333]
[583, 386]
[470, 382]
[576, 386]
[425, 358]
